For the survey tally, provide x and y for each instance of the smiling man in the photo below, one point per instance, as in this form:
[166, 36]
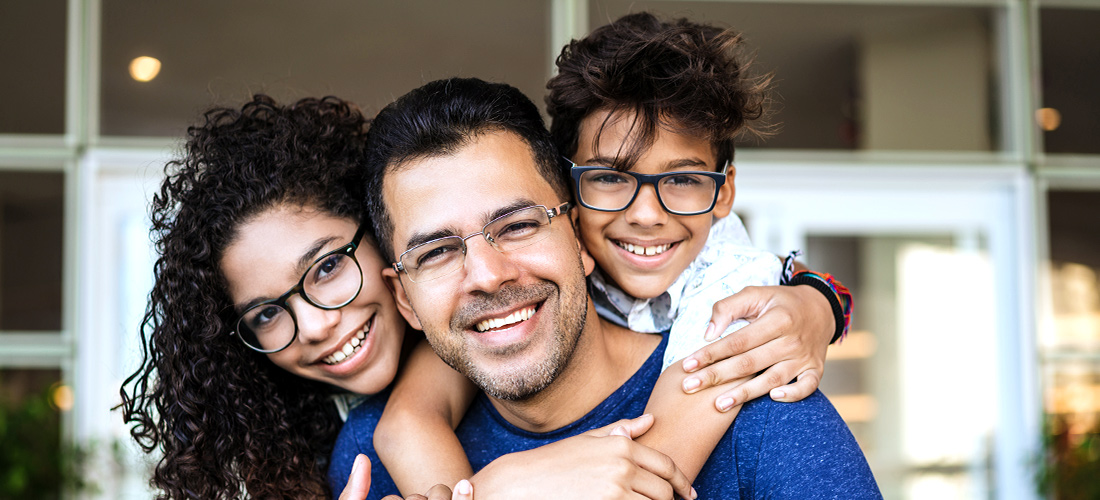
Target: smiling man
[469, 202]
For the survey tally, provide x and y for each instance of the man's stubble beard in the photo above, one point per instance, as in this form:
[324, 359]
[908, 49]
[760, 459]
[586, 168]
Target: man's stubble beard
[519, 383]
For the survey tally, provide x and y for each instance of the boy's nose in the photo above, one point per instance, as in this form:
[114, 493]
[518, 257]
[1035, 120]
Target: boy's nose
[646, 209]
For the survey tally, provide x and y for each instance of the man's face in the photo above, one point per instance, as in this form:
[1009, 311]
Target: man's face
[457, 195]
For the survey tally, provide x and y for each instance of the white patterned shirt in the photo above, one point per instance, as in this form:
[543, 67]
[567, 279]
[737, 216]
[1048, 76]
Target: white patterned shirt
[727, 263]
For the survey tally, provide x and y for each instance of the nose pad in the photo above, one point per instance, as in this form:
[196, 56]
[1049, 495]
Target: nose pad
[486, 267]
[314, 324]
[646, 210]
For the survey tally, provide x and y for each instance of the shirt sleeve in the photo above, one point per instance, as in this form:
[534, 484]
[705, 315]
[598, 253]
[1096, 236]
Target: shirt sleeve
[804, 451]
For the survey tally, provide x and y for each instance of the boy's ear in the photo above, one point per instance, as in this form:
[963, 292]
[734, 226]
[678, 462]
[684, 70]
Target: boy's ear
[586, 258]
[393, 282]
[724, 204]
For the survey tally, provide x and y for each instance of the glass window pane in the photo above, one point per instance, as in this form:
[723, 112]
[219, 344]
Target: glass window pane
[881, 378]
[871, 77]
[1070, 62]
[368, 52]
[1071, 350]
[31, 207]
[32, 81]
[31, 456]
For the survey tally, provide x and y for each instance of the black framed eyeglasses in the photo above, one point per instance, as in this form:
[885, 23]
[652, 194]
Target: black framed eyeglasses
[680, 192]
[331, 282]
[511, 231]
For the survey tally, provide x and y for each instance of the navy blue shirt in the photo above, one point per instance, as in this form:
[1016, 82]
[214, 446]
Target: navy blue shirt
[772, 450]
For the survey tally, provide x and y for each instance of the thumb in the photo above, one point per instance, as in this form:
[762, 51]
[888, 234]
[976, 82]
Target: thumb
[358, 481]
[634, 427]
[744, 304]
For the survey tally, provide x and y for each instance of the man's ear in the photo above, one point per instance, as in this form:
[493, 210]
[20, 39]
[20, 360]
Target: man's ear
[724, 204]
[393, 282]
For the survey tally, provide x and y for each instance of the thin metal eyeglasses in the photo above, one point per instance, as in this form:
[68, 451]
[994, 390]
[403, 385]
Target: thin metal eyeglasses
[680, 192]
[511, 231]
[331, 282]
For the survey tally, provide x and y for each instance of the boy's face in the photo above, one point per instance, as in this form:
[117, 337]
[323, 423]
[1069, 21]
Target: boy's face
[643, 248]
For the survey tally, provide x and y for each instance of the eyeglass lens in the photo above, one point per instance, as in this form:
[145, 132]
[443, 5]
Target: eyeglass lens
[329, 283]
[512, 231]
[614, 190]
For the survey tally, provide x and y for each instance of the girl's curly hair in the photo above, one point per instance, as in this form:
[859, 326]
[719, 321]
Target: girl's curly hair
[228, 421]
[678, 75]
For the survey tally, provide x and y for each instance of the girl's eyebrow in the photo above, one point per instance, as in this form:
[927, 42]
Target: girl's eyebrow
[670, 165]
[303, 263]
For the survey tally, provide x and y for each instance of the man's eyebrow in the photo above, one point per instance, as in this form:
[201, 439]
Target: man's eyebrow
[304, 261]
[420, 238]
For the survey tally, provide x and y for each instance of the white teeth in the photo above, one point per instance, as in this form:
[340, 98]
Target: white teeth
[646, 251]
[520, 315]
[349, 348]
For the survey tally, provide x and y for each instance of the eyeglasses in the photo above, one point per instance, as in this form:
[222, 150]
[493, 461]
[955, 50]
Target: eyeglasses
[680, 193]
[331, 282]
[511, 231]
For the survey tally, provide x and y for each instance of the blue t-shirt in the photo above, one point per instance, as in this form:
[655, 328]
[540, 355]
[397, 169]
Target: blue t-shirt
[772, 450]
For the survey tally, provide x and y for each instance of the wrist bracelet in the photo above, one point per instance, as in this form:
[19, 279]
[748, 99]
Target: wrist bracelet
[840, 299]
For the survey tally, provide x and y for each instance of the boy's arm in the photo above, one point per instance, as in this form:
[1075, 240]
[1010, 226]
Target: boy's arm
[686, 427]
[415, 437]
[790, 330]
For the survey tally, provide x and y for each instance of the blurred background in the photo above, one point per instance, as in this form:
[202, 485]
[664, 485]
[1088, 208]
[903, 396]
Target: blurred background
[938, 156]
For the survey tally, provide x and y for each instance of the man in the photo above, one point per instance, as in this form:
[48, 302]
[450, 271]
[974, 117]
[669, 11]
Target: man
[468, 200]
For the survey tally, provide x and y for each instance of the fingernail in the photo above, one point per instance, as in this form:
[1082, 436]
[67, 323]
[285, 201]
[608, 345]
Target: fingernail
[691, 384]
[778, 394]
[690, 364]
[725, 404]
[694, 495]
[464, 488]
[709, 334]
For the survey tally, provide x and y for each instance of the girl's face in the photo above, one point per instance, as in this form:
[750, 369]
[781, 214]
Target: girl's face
[269, 256]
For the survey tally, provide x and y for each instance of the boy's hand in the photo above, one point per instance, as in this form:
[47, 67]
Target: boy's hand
[788, 335]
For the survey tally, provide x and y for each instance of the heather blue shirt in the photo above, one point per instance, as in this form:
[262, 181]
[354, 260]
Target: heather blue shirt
[772, 450]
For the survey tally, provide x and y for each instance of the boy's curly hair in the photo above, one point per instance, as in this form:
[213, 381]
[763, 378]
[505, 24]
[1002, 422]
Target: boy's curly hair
[678, 75]
[227, 420]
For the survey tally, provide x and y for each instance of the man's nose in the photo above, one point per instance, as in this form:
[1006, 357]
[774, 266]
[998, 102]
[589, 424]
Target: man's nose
[646, 209]
[486, 269]
[314, 324]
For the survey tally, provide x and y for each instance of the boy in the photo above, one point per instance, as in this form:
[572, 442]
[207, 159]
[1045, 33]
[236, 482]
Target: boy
[640, 102]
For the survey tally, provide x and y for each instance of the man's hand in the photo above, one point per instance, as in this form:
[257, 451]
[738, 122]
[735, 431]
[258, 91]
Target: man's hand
[604, 463]
[788, 335]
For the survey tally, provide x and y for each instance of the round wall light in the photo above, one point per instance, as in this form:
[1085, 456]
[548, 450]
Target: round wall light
[144, 68]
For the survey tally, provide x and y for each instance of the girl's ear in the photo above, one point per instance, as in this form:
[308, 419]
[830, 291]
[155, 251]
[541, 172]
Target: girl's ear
[724, 204]
[393, 282]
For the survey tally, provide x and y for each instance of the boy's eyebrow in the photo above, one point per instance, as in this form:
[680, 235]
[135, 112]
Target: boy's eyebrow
[670, 165]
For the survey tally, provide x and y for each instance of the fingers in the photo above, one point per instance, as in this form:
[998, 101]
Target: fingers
[358, 481]
[806, 384]
[739, 366]
[762, 384]
[765, 329]
[664, 476]
[463, 491]
[439, 492]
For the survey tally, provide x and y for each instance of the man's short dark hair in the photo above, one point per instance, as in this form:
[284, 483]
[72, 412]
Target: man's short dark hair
[678, 75]
[440, 118]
